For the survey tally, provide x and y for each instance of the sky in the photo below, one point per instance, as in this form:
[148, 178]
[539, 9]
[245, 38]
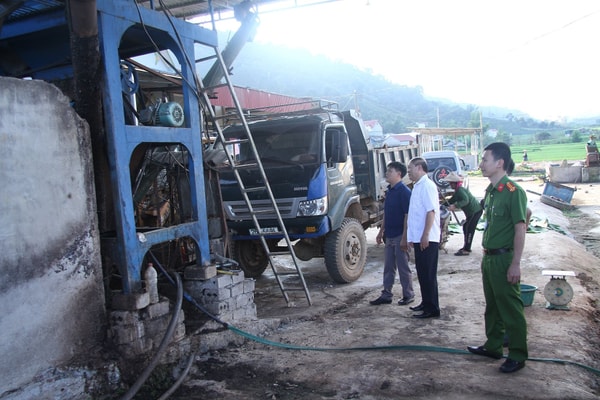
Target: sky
[537, 56]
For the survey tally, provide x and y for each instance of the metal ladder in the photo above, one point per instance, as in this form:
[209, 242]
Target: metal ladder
[239, 114]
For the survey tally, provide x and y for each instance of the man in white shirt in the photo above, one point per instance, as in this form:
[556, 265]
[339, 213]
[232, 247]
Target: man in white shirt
[423, 231]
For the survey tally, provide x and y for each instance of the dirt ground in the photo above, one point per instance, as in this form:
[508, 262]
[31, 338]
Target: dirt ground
[435, 365]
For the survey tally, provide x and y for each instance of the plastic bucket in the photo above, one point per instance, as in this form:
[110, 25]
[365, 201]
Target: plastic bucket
[527, 293]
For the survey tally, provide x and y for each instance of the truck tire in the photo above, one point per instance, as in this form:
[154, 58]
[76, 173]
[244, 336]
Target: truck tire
[346, 251]
[251, 256]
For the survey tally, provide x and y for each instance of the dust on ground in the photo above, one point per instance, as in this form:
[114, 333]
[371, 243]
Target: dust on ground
[433, 364]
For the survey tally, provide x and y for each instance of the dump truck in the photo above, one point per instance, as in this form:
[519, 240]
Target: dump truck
[328, 183]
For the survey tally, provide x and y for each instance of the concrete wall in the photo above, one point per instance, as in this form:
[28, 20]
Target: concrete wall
[590, 174]
[51, 277]
[564, 173]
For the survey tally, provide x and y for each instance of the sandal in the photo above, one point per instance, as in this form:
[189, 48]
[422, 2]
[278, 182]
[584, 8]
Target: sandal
[462, 252]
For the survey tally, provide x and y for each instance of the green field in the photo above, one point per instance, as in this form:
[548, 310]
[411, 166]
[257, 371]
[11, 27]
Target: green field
[550, 152]
[540, 153]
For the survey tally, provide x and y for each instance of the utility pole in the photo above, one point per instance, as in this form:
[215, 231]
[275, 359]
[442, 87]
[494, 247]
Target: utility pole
[480, 131]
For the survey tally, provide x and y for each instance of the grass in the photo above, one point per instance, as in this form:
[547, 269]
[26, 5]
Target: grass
[550, 152]
[538, 153]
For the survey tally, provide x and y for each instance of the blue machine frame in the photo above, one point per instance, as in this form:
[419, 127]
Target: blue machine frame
[117, 18]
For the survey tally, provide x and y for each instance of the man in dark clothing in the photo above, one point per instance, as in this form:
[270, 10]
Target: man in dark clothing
[397, 200]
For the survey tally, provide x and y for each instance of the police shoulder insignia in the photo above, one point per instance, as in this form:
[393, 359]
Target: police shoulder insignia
[511, 187]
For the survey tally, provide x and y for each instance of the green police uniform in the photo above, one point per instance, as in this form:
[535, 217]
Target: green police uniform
[464, 200]
[505, 206]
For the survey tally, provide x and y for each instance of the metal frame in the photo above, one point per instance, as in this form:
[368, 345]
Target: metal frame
[115, 18]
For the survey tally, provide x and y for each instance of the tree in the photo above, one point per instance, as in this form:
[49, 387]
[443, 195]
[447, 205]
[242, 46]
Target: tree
[576, 137]
[541, 136]
[505, 137]
[475, 121]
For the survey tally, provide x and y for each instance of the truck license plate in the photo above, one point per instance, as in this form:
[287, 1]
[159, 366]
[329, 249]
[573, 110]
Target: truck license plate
[269, 229]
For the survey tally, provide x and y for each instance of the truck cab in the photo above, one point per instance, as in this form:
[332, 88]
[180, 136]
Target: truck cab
[325, 178]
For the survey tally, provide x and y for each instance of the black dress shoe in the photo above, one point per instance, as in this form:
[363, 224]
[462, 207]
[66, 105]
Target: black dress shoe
[380, 300]
[511, 365]
[482, 351]
[427, 315]
[417, 308]
[405, 300]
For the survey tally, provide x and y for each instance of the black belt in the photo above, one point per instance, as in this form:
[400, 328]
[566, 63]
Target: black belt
[495, 252]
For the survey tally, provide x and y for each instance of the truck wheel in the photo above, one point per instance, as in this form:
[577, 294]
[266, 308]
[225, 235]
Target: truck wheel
[346, 251]
[251, 256]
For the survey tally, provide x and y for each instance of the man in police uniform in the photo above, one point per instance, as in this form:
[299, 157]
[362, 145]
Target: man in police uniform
[503, 242]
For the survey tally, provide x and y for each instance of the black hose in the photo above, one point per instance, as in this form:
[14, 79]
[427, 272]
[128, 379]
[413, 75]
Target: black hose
[163, 344]
[180, 380]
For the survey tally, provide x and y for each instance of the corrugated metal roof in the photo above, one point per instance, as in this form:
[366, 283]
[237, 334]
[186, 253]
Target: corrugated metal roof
[179, 8]
[255, 99]
[31, 8]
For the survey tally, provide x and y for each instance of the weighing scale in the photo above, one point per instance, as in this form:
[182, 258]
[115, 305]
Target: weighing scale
[558, 292]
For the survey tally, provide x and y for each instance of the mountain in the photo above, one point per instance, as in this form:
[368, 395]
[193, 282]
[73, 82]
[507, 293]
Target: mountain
[296, 72]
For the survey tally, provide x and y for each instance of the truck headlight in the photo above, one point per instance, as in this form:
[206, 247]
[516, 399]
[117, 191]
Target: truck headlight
[310, 208]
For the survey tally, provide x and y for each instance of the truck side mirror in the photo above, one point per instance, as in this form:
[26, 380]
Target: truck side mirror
[336, 146]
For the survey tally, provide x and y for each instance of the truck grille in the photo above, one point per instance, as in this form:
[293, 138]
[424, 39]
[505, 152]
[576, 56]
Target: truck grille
[237, 210]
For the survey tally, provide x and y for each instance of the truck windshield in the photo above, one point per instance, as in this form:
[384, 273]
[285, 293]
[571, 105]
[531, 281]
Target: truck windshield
[297, 144]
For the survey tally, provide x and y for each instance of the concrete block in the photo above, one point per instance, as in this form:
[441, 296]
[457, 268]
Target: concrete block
[237, 289]
[156, 328]
[244, 300]
[133, 301]
[219, 308]
[127, 334]
[200, 272]
[123, 318]
[219, 282]
[249, 285]
[240, 277]
[212, 295]
[194, 288]
[156, 310]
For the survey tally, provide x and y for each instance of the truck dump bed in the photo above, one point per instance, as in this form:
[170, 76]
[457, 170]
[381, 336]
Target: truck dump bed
[370, 163]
